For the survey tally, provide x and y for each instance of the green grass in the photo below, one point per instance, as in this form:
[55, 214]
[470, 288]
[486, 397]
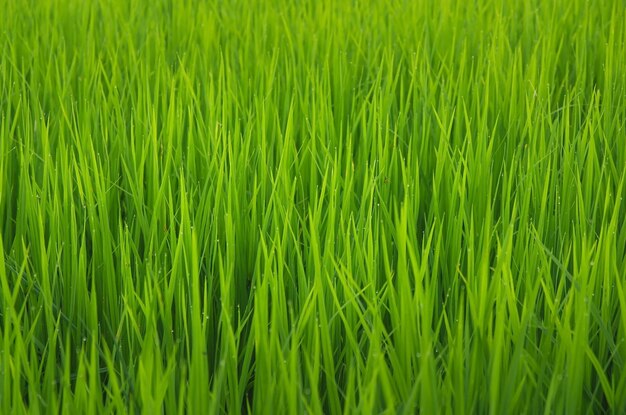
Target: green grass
[331, 206]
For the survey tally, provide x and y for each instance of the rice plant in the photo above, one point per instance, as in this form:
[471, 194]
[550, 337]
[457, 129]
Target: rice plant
[330, 206]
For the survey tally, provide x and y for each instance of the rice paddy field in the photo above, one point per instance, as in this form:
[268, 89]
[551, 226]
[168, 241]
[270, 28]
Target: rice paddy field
[324, 207]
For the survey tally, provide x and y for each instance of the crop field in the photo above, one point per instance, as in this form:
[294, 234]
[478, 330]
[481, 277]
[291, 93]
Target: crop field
[312, 206]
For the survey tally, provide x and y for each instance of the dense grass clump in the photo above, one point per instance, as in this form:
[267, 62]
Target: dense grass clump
[329, 206]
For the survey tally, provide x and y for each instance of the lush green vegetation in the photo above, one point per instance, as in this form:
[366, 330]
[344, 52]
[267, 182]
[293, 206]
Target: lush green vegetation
[312, 206]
